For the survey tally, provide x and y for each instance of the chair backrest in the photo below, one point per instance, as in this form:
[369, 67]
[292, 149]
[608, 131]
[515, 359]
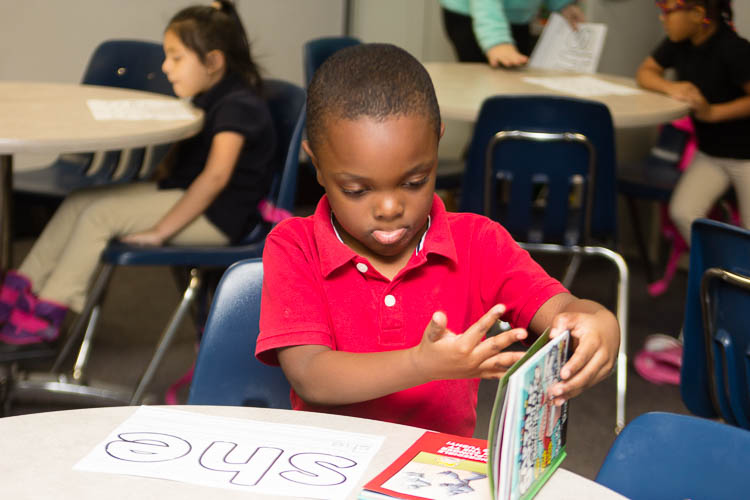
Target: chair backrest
[135, 65]
[540, 188]
[316, 51]
[663, 455]
[226, 372]
[715, 368]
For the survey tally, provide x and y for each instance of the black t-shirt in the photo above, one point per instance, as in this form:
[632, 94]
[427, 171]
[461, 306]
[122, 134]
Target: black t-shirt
[230, 105]
[719, 67]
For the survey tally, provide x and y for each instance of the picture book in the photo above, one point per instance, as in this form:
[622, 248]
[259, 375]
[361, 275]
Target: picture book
[526, 442]
[527, 432]
[436, 466]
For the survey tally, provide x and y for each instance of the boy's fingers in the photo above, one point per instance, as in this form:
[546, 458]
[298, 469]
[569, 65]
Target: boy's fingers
[478, 330]
[499, 343]
[581, 356]
[565, 390]
[436, 327]
[498, 364]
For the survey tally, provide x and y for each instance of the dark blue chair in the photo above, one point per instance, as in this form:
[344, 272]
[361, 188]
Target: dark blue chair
[544, 167]
[287, 104]
[664, 455]
[128, 64]
[652, 179]
[715, 377]
[316, 51]
[226, 372]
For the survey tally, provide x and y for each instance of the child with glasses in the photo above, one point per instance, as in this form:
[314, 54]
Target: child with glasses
[712, 64]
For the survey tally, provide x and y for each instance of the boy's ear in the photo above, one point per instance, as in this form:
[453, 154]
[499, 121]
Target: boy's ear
[313, 159]
[442, 131]
[215, 61]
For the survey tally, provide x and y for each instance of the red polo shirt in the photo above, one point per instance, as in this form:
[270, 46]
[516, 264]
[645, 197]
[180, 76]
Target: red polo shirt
[316, 290]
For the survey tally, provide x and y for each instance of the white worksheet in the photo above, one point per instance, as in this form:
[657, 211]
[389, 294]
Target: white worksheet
[248, 455]
[583, 86]
[560, 47]
[139, 109]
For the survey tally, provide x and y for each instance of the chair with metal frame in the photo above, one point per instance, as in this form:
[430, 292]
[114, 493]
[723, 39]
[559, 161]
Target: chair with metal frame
[544, 166]
[286, 102]
[226, 372]
[664, 455]
[715, 375]
[129, 64]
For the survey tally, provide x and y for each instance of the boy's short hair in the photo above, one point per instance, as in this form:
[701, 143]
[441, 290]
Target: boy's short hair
[375, 80]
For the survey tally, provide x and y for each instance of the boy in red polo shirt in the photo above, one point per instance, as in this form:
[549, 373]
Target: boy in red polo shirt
[377, 305]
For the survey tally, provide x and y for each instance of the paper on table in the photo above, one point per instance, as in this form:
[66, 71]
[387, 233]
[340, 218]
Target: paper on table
[139, 109]
[583, 86]
[562, 48]
[247, 455]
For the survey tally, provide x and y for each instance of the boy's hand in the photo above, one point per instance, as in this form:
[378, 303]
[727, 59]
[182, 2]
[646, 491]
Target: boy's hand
[443, 354]
[595, 339]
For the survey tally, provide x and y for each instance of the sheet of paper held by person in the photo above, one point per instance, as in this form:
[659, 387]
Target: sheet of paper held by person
[245, 455]
[139, 109]
[560, 47]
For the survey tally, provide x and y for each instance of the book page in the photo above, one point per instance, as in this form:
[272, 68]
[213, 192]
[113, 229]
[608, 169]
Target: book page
[232, 453]
[560, 47]
[139, 109]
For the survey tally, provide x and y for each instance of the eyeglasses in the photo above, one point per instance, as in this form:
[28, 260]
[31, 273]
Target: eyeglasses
[679, 5]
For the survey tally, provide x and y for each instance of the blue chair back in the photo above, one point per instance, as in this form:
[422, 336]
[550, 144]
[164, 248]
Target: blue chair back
[663, 455]
[716, 366]
[316, 51]
[226, 372]
[128, 64]
[523, 170]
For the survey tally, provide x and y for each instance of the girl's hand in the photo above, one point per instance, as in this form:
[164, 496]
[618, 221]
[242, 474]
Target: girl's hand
[595, 339]
[444, 355]
[149, 238]
[573, 14]
[506, 55]
[683, 91]
[701, 108]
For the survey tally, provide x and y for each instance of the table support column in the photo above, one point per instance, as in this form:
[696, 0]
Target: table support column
[6, 196]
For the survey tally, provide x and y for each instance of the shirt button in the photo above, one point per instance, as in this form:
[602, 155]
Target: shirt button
[361, 267]
[390, 300]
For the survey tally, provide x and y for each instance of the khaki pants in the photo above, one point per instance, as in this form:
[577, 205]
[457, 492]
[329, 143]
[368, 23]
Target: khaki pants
[62, 261]
[701, 185]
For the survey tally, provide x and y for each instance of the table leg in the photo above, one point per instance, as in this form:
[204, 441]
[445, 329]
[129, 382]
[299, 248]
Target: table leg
[6, 192]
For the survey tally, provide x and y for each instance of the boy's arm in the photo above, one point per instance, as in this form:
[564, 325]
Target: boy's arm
[595, 336]
[320, 375]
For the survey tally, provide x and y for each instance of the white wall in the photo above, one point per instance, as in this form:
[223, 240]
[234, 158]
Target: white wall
[51, 40]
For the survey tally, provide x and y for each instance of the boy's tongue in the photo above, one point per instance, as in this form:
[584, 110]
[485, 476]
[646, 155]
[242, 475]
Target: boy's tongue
[388, 237]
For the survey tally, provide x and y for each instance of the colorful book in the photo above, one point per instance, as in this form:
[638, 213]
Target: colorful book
[526, 442]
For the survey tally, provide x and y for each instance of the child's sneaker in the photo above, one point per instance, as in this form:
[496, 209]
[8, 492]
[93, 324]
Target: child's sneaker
[14, 292]
[32, 327]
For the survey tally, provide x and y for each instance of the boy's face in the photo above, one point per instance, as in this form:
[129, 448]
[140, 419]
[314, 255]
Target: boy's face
[380, 178]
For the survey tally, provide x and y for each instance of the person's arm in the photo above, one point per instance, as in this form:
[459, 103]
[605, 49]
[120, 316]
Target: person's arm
[730, 110]
[595, 337]
[320, 375]
[650, 75]
[571, 12]
[222, 158]
[493, 33]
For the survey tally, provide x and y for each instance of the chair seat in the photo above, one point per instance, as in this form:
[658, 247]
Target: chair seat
[651, 180]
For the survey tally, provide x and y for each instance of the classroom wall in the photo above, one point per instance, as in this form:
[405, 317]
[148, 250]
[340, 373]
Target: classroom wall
[52, 40]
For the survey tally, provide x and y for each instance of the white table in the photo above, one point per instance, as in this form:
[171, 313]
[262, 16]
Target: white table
[39, 451]
[54, 118]
[462, 87]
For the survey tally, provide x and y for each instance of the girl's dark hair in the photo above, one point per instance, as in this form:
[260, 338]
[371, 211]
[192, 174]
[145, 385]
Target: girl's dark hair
[203, 28]
[716, 10]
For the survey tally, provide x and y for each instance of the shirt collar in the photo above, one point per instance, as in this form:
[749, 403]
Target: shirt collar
[334, 253]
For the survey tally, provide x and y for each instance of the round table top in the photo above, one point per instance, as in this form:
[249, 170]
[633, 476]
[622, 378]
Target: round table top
[54, 117]
[462, 87]
[39, 451]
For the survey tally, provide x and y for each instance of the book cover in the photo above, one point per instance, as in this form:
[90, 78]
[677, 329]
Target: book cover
[436, 466]
[527, 432]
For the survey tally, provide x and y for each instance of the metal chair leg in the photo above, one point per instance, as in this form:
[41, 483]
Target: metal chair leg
[168, 335]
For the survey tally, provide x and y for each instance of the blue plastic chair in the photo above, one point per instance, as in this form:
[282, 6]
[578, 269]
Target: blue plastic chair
[226, 371]
[544, 167]
[664, 455]
[316, 51]
[715, 377]
[287, 104]
[129, 64]
[652, 179]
